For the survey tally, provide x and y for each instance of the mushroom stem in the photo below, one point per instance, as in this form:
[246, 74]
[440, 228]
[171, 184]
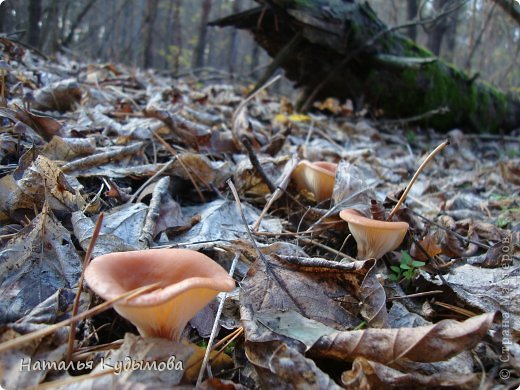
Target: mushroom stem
[415, 176]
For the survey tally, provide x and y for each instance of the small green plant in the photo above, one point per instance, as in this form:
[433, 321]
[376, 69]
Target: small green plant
[406, 269]
[411, 137]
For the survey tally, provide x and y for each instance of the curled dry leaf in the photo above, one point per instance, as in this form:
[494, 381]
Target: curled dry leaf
[66, 149]
[421, 344]
[142, 350]
[105, 243]
[428, 243]
[366, 374]
[45, 126]
[43, 180]
[294, 369]
[488, 289]
[16, 364]
[35, 263]
[318, 289]
[60, 96]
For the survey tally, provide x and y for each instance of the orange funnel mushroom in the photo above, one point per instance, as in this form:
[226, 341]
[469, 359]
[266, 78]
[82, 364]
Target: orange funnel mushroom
[374, 238]
[188, 281]
[316, 178]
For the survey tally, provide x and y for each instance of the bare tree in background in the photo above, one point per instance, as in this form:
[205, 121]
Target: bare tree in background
[233, 42]
[148, 34]
[35, 15]
[76, 22]
[436, 34]
[412, 7]
[198, 54]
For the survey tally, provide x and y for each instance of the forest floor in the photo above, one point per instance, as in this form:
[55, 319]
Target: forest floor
[159, 158]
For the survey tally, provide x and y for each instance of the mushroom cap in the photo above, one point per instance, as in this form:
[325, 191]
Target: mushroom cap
[316, 178]
[374, 238]
[188, 281]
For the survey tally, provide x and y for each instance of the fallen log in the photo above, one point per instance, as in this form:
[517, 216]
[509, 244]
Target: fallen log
[340, 48]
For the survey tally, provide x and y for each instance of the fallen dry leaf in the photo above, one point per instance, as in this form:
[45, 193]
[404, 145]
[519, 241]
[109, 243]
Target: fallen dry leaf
[35, 263]
[366, 374]
[421, 344]
[429, 245]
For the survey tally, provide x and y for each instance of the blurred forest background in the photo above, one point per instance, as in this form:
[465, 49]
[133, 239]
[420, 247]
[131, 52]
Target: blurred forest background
[482, 36]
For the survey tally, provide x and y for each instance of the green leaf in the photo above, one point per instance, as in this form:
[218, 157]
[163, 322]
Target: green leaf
[405, 257]
[416, 263]
[393, 277]
[396, 269]
[405, 266]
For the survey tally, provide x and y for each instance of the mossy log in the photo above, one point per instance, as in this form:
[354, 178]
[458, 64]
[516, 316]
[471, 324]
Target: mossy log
[340, 48]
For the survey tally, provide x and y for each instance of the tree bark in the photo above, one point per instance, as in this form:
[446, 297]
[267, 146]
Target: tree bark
[149, 21]
[233, 42]
[412, 7]
[35, 15]
[354, 54]
[198, 54]
[436, 35]
[76, 22]
[511, 7]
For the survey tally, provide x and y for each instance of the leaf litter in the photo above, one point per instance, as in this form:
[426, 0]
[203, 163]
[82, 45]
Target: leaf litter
[154, 153]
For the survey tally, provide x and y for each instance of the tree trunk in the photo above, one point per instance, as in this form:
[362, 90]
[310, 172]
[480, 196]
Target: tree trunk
[76, 22]
[436, 35]
[412, 7]
[49, 33]
[233, 42]
[198, 54]
[149, 21]
[178, 42]
[354, 54]
[35, 15]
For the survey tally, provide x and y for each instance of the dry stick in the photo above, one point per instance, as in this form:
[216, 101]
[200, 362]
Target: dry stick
[176, 155]
[86, 261]
[151, 179]
[63, 382]
[152, 216]
[276, 194]
[233, 335]
[460, 236]
[247, 100]
[102, 158]
[415, 176]
[256, 164]
[95, 310]
[422, 294]
[215, 325]
[327, 248]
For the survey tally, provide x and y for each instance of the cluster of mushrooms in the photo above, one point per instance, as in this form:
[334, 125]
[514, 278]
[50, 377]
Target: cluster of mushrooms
[374, 238]
[189, 280]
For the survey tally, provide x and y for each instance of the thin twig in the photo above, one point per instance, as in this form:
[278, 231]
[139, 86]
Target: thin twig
[95, 310]
[460, 236]
[151, 179]
[86, 261]
[422, 294]
[175, 155]
[256, 164]
[215, 324]
[327, 248]
[415, 176]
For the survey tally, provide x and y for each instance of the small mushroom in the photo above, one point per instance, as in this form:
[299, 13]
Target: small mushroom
[316, 178]
[374, 238]
[188, 281]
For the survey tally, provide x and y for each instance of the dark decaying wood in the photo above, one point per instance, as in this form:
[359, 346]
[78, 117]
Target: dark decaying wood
[341, 48]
